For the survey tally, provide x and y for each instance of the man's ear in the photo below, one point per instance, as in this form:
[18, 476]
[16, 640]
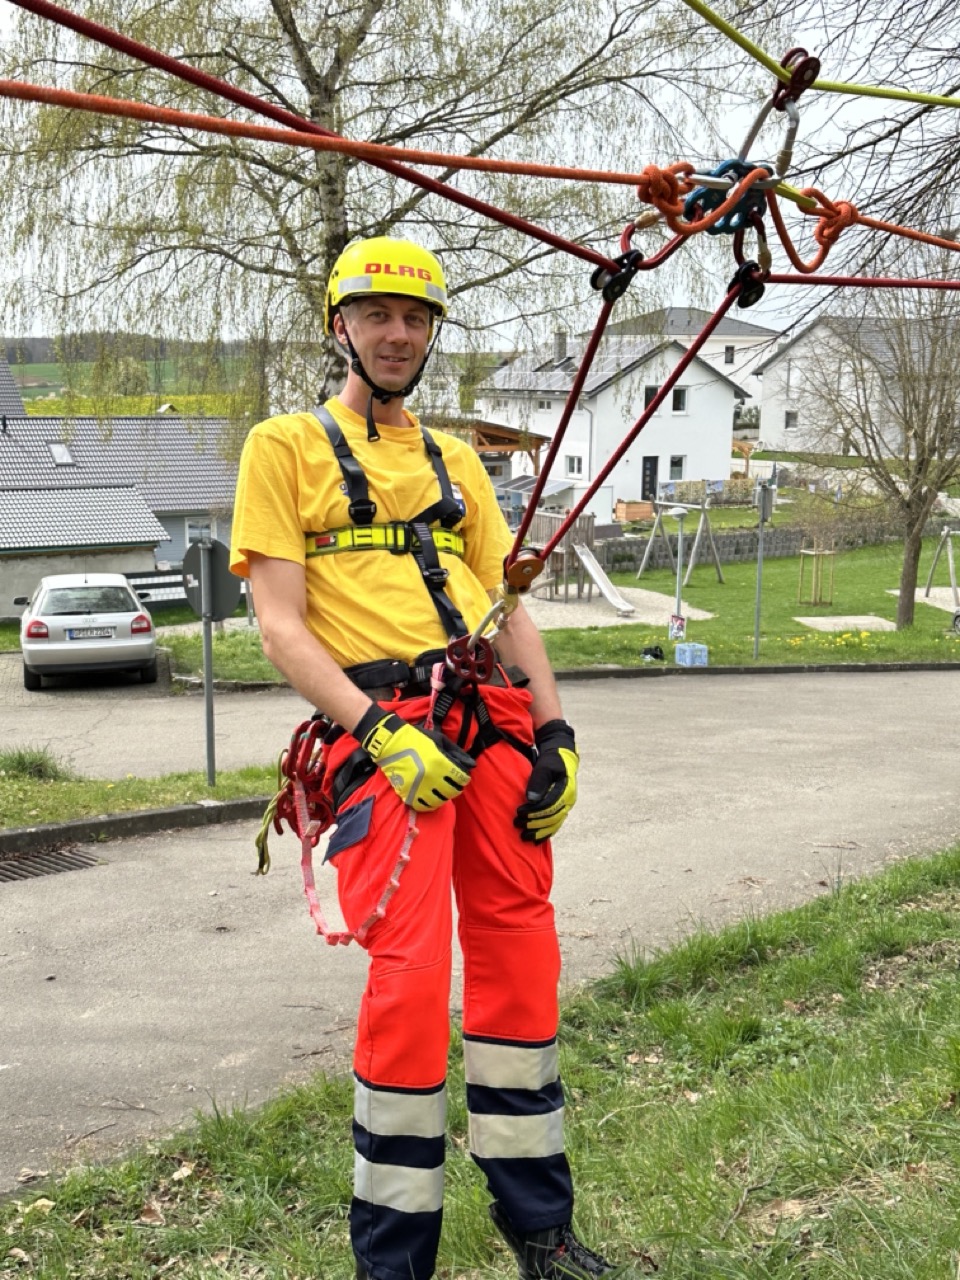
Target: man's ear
[339, 329]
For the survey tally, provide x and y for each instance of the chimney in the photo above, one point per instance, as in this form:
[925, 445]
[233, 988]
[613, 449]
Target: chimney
[559, 345]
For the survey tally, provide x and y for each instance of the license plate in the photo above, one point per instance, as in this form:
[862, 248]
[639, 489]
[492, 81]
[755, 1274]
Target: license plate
[90, 633]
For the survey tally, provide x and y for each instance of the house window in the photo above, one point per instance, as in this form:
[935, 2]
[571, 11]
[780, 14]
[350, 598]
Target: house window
[648, 395]
[544, 404]
[574, 466]
[197, 530]
[676, 466]
[729, 354]
[60, 452]
[680, 400]
[791, 420]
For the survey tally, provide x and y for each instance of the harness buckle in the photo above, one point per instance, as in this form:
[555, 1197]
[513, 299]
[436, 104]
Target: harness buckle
[401, 538]
[362, 510]
[436, 577]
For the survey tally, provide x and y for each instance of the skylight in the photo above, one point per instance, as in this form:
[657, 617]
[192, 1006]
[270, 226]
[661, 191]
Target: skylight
[60, 452]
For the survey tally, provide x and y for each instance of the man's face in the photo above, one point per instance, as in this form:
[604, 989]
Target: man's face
[389, 334]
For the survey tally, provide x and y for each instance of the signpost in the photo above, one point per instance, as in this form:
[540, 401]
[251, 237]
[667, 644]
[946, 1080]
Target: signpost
[765, 509]
[213, 593]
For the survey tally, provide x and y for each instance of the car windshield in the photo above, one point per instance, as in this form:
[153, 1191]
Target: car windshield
[88, 599]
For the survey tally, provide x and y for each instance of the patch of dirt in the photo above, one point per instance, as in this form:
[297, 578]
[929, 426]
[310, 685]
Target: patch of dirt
[910, 968]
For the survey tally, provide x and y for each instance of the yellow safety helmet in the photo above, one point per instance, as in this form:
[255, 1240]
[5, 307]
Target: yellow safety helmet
[385, 265]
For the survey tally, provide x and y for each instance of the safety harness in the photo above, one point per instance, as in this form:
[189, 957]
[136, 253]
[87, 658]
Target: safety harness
[400, 537]
[449, 675]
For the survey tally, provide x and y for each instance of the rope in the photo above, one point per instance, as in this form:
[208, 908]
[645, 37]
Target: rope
[573, 398]
[864, 282]
[663, 189]
[689, 356]
[834, 217]
[826, 86]
[369, 151]
[240, 97]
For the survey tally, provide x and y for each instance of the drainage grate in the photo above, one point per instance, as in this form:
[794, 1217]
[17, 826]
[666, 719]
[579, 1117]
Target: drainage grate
[24, 866]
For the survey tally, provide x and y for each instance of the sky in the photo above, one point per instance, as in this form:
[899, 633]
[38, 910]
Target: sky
[823, 116]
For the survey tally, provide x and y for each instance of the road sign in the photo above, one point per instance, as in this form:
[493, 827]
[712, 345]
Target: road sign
[223, 588]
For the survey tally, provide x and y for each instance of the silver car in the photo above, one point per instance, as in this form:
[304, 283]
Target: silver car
[86, 622]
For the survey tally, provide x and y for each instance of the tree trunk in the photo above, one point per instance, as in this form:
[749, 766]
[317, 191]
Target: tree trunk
[912, 546]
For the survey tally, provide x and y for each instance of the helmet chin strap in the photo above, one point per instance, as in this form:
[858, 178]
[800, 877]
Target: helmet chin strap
[381, 393]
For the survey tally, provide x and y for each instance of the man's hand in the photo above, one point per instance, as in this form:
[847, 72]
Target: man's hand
[552, 788]
[424, 768]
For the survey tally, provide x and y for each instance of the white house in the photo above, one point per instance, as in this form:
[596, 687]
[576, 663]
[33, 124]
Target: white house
[735, 347]
[840, 369]
[688, 437]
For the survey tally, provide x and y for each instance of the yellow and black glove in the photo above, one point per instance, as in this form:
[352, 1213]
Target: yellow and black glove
[552, 788]
[424, 768]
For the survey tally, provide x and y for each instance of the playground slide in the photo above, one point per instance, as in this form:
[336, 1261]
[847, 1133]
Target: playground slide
[606, 587]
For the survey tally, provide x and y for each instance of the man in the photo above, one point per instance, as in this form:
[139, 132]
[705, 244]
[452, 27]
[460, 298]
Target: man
[369, 544]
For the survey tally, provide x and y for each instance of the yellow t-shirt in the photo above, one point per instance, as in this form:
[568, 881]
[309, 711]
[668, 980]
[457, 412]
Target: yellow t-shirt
[363, 605]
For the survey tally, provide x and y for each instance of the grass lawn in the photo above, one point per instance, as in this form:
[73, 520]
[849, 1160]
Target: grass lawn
[775, 1101]
[36, 788]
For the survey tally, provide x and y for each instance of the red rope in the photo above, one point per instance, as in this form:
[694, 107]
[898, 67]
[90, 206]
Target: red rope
[571, 404]
[865, 282]
[203, 80]
[682, 365]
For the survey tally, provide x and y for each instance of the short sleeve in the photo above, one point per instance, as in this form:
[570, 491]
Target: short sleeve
[266, 515]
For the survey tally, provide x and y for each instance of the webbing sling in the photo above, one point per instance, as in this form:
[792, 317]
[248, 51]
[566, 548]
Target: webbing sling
[447, 511]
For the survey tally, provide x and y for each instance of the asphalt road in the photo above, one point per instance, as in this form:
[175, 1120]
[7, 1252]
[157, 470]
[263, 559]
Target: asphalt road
[168, 976]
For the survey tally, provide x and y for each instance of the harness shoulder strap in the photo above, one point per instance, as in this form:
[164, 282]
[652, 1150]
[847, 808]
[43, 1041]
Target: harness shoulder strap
[448, 511]
[361, 508]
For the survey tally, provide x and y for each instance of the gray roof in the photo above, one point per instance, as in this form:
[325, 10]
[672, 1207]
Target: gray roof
[879, 338]
[44, 520]
[686, 322]
[11, 401]
[616, 356]
[176, 463]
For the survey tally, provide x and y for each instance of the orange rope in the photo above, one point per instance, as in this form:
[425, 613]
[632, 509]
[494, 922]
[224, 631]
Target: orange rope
[292, 138]
[833, 219]
[663, 188]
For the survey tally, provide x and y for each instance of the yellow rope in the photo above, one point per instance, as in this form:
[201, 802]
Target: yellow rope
[826, 86]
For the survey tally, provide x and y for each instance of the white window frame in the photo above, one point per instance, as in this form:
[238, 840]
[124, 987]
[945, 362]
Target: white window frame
[729, 355]
[544, 406]
[791, 420]
[677, 464]
[649, 393]
[684, 406]
[573, 465]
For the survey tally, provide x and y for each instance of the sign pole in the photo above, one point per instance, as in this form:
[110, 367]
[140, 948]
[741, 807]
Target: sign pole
[765, 510]
[206, 607]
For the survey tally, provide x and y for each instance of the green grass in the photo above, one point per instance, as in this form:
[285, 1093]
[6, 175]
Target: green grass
[36, 788]
[862, 579]
[775, 1101]
[82, 406]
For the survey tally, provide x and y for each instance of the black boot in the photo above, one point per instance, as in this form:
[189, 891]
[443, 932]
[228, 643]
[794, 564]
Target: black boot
[554, 1254]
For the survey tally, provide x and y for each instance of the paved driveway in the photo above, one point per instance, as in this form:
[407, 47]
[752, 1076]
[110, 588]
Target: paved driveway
[138, 990]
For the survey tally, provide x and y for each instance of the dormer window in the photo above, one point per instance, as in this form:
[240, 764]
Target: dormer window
[60, 452]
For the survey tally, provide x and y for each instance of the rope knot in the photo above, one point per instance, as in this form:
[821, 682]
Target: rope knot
[834, 221]
[664, 187]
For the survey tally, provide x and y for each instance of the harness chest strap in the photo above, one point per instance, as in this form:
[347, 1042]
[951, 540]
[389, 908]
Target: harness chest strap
[396, 537]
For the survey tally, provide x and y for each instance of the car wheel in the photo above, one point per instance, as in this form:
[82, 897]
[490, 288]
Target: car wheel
[148, 674]
[31, 680]
[956, 621]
